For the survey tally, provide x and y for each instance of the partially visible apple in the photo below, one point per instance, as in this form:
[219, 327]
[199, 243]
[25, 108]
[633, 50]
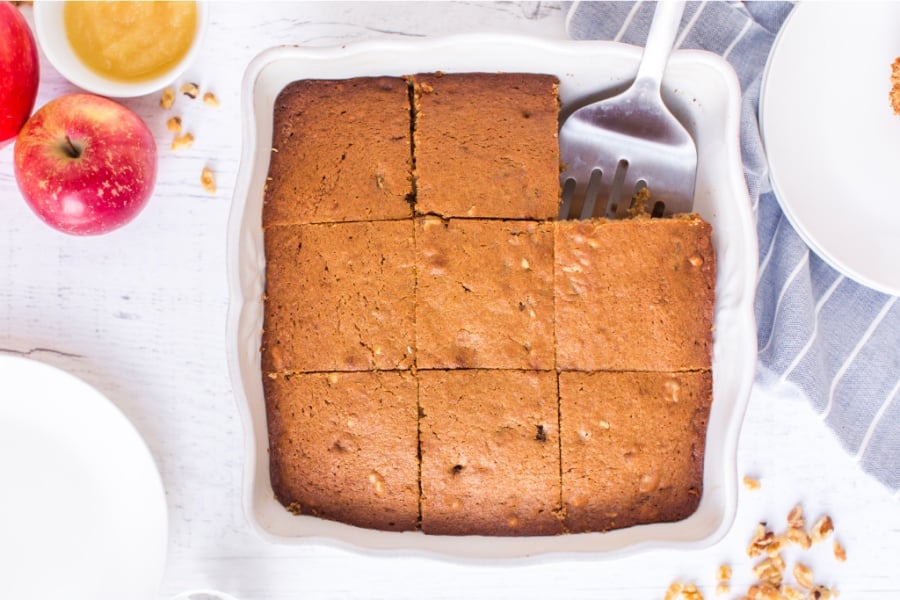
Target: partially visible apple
[19, 72]
[85, 164]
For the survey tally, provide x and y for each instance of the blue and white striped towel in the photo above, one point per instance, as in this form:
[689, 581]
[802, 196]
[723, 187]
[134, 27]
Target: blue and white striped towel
[835, 339]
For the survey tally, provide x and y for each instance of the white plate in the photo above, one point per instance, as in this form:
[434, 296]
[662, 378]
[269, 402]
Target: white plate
[82, 508]
[700, 87]
[831, 137]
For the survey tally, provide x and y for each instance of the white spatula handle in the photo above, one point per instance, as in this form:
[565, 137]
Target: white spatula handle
[660, 39]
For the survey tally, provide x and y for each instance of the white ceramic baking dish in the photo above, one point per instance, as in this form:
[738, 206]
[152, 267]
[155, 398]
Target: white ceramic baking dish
[701, 89]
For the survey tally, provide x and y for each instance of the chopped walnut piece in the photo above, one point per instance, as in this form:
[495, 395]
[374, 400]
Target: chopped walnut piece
[839, 552]
[795, 518]
[792, 593]
[821, 529]
[191, 90]
[770, 570]
[751, 483]
[722, 589]
[803, 575]
[174, 124]
[799, 537]
[820, 592]
[167, 99]
[763, 591]
[208, 180]
[183, 141]
[673, 591]
[776, 546]
[894, 94]
[761, 538]
[690, 592]
[210, 99]
[724, 573]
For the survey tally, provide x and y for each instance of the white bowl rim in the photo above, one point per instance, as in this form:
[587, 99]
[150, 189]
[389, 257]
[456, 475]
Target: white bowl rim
[55, 45]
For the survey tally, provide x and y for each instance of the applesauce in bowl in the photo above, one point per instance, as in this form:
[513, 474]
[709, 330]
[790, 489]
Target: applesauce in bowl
[120, 48]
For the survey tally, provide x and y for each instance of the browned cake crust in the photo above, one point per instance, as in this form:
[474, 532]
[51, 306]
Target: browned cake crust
[339, 297]
[484, 296]
[632, 447]
[634, 295]
[490, 453]
[343, 446]
[486, 145]
[340, 152]
[487, 371]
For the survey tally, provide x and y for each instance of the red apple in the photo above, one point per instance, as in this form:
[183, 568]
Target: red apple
[19, 72]
[85, 164]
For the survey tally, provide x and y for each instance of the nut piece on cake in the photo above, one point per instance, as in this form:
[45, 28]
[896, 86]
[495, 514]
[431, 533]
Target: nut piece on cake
[634, 295]
[341, 152]
[342, 446]
[486, 145]
[490, 452]
[339, 297]
[484, 297]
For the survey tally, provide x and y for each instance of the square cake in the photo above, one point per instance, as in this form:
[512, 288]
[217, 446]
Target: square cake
[634, 295]
[632, 447]
[486, 145]
[439, 352]
[340, 152]
[343, 446]
[490, 452]
[484, 296]
[339, 297]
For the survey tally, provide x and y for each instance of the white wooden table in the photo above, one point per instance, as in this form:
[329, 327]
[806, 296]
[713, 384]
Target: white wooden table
[140, 315]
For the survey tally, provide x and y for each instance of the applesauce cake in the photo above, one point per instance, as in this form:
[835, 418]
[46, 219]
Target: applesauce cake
[439, 352]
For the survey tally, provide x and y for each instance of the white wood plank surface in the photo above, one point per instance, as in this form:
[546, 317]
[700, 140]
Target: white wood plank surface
[140, 315]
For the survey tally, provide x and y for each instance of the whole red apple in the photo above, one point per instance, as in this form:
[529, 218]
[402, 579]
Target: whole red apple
[19, 72]
[85, 164]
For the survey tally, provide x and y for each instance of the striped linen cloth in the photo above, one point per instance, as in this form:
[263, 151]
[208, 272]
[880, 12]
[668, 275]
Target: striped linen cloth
[836, 340]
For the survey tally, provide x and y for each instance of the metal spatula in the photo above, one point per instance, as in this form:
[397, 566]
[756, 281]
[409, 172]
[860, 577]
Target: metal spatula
[612, 148]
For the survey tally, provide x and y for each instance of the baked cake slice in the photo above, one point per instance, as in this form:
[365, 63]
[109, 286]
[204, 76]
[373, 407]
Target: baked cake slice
[340, 152]
[634, 295]
[484, 294]
[339, 297]
[343, 446]
[490, 452]
[486, 145]
[632, 447]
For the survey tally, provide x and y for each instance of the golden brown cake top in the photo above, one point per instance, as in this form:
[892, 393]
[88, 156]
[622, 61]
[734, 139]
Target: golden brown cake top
[486, 145]
[340, 152]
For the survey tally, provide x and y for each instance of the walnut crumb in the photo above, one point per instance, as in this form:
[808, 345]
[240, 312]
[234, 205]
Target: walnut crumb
[894, 94]
[751, 483]
[839, 552]
[208, 180]
[803, 575]
[191, 90]
[181, 142]
[167, 99]
[174, 124]
[210, 99]
[821, 529]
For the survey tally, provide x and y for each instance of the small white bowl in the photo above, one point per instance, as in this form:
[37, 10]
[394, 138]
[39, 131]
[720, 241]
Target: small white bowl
[51, 35]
